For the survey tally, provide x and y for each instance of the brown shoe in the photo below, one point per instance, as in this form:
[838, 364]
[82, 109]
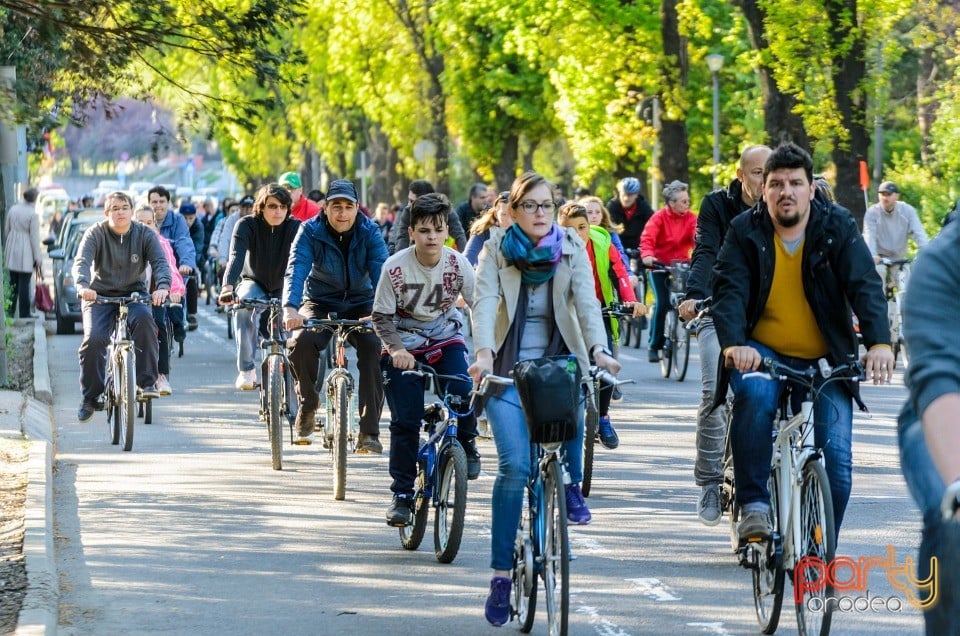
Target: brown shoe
[304, 427]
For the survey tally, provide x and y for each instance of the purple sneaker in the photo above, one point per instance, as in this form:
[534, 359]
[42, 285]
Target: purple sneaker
[577, 511]
[497, 609]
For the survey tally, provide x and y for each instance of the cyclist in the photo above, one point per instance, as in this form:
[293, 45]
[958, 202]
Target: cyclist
[258, 256]
[630, 210]
[534, 297]
[887, 227]
[599, 215]
[111, 260]
[609, 270]
[416, 317]
[786, 276]
[716, 211]
[334, 266]
[667, 237]
[929, 436]
[401, 240]
[189, 213]
[493, 220]
[174, 228]
[303, 209]
[177, 290]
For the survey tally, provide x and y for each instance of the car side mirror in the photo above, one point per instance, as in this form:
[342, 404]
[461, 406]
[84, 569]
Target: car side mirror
[49, 241]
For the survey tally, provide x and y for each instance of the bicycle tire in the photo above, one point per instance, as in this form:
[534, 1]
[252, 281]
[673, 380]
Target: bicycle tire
[591, 423]
[666, 354]
[341, 405]
[556, 551]
[128, 397]
[112, 400]
[449, 516]
[768, 576]
[523, 575]
[290, 395]
[274, 418]
[411, 536]
[817, 536]
[681, 352]
[230, 326]
[148, 412]
[323, 364]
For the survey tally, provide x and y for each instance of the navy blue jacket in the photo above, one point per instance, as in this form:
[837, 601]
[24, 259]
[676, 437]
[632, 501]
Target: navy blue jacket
[316, 271]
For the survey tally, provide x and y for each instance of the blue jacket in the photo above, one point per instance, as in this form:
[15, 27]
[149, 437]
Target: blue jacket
[175, 230]
[316, 271]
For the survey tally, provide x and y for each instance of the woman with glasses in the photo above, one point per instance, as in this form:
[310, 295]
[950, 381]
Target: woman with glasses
[668, 237]
[534, 298]
[497, 216]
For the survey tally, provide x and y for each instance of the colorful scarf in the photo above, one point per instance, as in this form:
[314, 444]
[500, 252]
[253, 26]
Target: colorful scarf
[537, 263]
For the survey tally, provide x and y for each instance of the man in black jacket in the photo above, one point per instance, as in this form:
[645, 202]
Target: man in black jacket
[716, 211]
[786, 278]
[630, 210]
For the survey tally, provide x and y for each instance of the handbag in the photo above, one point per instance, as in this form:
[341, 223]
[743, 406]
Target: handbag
[42, 298]
[549, 391]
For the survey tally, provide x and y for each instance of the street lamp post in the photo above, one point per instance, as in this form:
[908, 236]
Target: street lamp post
[715, 63]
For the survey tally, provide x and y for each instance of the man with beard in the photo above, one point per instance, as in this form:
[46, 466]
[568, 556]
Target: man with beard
[786, 279]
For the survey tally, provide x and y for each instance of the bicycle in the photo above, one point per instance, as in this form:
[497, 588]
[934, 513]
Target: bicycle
[278, 399]
[632, 328]
[120, 389]
[801, 507]
[676, 344]
[441, 481]
[338, 392]
[895, 291]
[542, 546]
[211, 279]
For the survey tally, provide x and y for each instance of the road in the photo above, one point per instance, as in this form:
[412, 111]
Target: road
[193, 533]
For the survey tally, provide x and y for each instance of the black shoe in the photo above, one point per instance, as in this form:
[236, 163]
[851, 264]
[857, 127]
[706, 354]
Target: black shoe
[303, 427]
[179, 333]
[653, 355]
[754, 526]
[148, 392]
[473, 459]
[369, 444]
[192, 322]
[400, 512]
[86, 411]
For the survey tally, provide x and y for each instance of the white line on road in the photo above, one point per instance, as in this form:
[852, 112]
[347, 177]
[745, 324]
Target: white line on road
[654, 589]
[717, 629]
[583, 544]
[603, 626]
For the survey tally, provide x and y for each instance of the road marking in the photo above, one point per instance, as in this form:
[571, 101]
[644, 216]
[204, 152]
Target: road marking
[654, 589]
[603, 626]
[717, 629]
[584, 544]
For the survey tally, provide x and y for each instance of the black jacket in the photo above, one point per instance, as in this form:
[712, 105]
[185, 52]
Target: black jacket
[838, 274]
[716, 211]
[632, 229]
[260, 251]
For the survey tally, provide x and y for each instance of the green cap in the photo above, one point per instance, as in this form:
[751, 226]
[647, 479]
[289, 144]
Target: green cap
[291, 179]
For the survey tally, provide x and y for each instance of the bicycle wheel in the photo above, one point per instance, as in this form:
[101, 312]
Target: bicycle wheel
[590, 424]
[274, 419]
[147, 411]
[411, 536]
[817, 539]
[768, 575]
[681, 352]
[524, 575]
[728, 496]
[112, 399]
[230, 325]
[290, 394]
[341, 412]
[128, 397]
[666, 354]
[556, 551]
[451, 502]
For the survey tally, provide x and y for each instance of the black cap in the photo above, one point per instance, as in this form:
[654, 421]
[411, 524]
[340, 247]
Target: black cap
[247, 200]
[342, 189]
[188, 209]
[888, 187]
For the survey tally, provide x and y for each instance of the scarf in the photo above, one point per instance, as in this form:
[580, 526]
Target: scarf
[537, 263]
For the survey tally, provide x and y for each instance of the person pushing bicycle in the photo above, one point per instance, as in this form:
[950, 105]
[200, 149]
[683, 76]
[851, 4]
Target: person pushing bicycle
[416, 317]
[111, 261]
[787, 275]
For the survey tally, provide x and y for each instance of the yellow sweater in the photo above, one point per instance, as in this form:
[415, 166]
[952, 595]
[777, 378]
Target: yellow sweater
[787, 324]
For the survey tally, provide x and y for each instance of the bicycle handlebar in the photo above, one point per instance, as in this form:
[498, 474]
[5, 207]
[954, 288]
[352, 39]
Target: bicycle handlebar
[895, 261]
[123, 300]
[616, 310]
[776, 370]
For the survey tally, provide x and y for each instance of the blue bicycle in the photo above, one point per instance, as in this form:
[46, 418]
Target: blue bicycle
[441, 471]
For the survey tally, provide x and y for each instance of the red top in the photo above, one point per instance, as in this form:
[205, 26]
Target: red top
[669, 236]
[627, 294]
[304, 210]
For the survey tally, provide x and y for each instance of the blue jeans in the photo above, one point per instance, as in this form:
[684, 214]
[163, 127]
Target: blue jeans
[244, 324]
[751, 433]
[514, 467]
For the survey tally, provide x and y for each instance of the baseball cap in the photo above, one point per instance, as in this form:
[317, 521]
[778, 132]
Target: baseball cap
[291, 179]
[247, 200]
[888, 187]
[188, 209]
[342, 189]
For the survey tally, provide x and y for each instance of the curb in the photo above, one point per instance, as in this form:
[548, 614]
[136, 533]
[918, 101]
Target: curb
[39, 611]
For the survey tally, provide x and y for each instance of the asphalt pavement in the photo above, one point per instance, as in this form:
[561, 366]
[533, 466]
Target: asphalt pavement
[192, 532]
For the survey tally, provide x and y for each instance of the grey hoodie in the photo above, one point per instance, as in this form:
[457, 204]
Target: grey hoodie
[114, 265]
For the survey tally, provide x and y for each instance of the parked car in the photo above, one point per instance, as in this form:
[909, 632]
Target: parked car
[65, 301]
[49, 201]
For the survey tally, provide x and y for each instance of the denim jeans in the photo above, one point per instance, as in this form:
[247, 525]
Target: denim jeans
[754, 408]
[940, 539]
[244, 324]
[514, 468]
[711, 425]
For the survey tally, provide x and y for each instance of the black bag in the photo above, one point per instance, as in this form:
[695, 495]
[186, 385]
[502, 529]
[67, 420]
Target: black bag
[549, 390]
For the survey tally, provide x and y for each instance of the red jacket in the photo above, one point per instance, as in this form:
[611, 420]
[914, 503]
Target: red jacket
[669, 236]
[618, 273]
[304, 210]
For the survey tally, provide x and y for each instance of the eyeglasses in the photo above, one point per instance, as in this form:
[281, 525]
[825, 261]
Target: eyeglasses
[531, 207]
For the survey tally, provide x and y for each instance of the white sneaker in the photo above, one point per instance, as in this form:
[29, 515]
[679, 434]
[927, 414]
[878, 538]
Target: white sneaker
[163, 385]
[246, 380]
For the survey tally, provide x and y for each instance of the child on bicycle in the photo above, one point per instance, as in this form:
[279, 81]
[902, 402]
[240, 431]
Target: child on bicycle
[608, 269]
[416, 318]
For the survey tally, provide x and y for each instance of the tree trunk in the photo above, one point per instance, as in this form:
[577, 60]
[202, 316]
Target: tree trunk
[438, 124]
[506, 169]
[926, 103]
[849, 71]
[674, 164]
[781, 122]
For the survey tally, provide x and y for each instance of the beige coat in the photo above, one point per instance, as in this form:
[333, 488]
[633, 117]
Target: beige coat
[575, 305]
[23, 238]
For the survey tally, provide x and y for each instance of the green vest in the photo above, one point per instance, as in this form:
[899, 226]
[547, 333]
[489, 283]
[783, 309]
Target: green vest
[601, 253]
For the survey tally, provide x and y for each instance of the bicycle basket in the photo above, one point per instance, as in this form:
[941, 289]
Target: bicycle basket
[678, 277]
[549, 390]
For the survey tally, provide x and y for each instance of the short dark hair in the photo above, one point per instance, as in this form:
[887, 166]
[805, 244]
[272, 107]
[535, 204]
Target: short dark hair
[572, 210]
[789, 155]
[421, 187]
[432, 206]
[159, 190]
[276, 191]
[30, 195]
[316, 196]
[477, 188]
